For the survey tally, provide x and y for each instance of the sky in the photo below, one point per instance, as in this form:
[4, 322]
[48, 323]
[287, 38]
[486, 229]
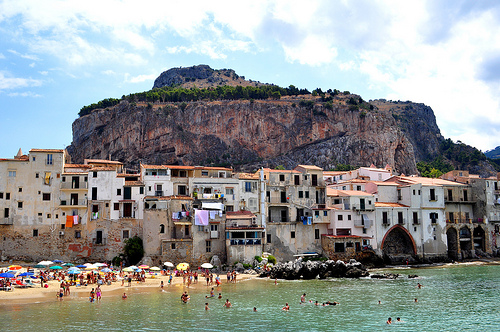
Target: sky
[57, 56]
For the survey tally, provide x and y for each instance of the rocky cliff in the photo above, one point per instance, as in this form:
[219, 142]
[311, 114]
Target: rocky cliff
[245, 134]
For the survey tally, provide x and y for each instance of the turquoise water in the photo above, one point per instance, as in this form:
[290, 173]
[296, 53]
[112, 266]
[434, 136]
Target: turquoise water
[457, 298]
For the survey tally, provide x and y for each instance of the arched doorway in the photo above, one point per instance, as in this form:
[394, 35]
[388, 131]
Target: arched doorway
[452, 241]
[478, 236]
[398, 244]
[465, 242]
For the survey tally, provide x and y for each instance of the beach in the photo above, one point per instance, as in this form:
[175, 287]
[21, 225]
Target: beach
[152, 283]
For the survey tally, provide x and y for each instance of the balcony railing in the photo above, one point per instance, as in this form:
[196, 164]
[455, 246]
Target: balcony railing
[245, 242]
[74, 202]
[359, 207]
[386, 222]
[402, 221]
[127, 215]
[433, 198]
[362, 223]
[416, 221]
[72, 185]
[6, 221]
[159, 193]
[99, 241]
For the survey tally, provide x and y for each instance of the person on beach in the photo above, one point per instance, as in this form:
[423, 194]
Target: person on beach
[228, 276]
[124, 296]
[185, 297]
[161, 285]
[211, 293]
[286, 307]
[129, 279]
[303, 298]
[389, 321]
[170, 279]
[98, 293]
[227, 304]
[206, 306]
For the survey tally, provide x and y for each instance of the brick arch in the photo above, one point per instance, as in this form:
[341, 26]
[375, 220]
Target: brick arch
[399, 227]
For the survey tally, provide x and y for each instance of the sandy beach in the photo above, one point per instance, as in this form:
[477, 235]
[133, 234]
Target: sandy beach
[152, 283]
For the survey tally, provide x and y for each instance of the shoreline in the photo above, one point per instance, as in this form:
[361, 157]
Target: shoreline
[34, 295]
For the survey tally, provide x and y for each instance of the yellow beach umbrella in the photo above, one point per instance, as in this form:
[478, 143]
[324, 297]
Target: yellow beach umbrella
[155, 268]
[182, 266]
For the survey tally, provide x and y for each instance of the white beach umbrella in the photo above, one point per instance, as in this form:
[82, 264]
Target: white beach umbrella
[168, 264]
[46, 263]
[207, 266]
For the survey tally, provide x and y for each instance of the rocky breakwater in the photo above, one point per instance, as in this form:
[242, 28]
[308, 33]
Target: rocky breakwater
[299, 269]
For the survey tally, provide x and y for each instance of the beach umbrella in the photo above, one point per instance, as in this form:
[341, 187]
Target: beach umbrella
[26, 274]
[74, 272]
[68, 264]
[45, 263]
[207, 266]
[6, 275]
[144, 267]
[15, 267]
[81, 266]
[182, 266]
[155, 268]
[56, 267]
[88, 264]
[128, 269]
[91, 267]
[100, 264]
[168, 264]
[57, 261]
[106, 270]
[74, 268]
[133, 267]
[39, 266]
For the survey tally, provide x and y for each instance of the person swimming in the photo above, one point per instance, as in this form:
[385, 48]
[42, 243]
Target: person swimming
[389, 320]
[286, 307]
[303, 298]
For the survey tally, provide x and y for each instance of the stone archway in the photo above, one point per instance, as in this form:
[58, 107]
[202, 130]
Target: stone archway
[478, 237]
[452, 241]
[398, 244]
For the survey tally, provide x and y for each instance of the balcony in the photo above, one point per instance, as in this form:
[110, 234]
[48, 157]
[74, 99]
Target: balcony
[99, 241]
[6, 221]
[402, 221]
[130, 215]
[386, 222]
[416, 221]
[74, 186]
[433, 198]
[366, 223]
[159, 193]
[245, 242]
[458, 200]
[358, 207]
[72, 203]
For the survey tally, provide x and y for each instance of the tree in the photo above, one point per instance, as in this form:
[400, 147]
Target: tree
[133, 250]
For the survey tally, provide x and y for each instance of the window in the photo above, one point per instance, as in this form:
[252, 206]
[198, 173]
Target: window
[162, 228]
[7, 196]
[296, 180]
[325, 213]
[358, 188]
[385, 218]
[339, 247]
[63, 179]
[19, 205]
[214, 227]
[34, 158]
[413, 192]
[116, 206]
[340, 217]
[336, 201]
[63, 226]
[94, 193]
[172, 246]
[78, 234]
[282, 177]
[49, 216]
[292, 234]
[307, 194]
[35, 232]
[316, 213]
[268, 238]
[57, 216]
[6, 213]
[316, 234]
[20, 189]
[125, 234]
[49, 159]
[204, 173]
[248, 187]
[182, 190]
[46, 197]
[208, 246]
[1, 195]
[229, 208]
[12, 174]
[94, 174]
[141, 190]
[119, 192]
[434, 217]
[301, 194]
[186, 230]
[432, 196]
[229, 191]
[348, 217]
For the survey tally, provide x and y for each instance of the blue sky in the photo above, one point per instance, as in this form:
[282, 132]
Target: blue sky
[57, 56]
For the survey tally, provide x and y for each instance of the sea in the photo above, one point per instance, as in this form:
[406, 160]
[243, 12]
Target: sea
[453, 298]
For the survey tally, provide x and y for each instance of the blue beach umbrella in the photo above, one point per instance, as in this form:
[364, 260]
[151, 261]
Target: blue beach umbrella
[57, 261]
[26, 274]
[81, 266]
[74, 272]
[56, 267]
[106, 270]
[6, 275]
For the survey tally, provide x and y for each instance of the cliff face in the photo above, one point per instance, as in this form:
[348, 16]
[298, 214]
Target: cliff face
[243, 134]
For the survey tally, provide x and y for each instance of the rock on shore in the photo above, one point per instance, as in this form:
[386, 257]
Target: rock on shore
[299, 269]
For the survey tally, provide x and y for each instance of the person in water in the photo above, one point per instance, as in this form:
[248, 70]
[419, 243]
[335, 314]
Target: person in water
[254, 309]
[389, 320]
[227, 304]
[124, 296]
[211, 293]
[303, 298]
[286, 307]
[185, 297]
[206, 306]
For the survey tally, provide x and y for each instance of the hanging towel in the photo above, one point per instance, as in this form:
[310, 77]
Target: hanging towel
[174, 215]
[183, 213]
[75, 220]
[212, 214]
[220, 213]
[201, 217]
[309, 220]
[69, 221]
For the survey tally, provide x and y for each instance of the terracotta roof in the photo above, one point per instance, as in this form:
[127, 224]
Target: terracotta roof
[102, 161]
[103, 169]
[334, 173]
[281, 171]
[47, 150]
[239, 214]
[389, 204]
[248, 176]
[214, 168]
[124, 175]
[77, 166]
[310, 167]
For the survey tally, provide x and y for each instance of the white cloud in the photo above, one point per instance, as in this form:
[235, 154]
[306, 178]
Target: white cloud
[2, 56]
[314, 51]
[140, 78]
[8, 82]
[24, 56]
[24, 94]
[108, 72]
